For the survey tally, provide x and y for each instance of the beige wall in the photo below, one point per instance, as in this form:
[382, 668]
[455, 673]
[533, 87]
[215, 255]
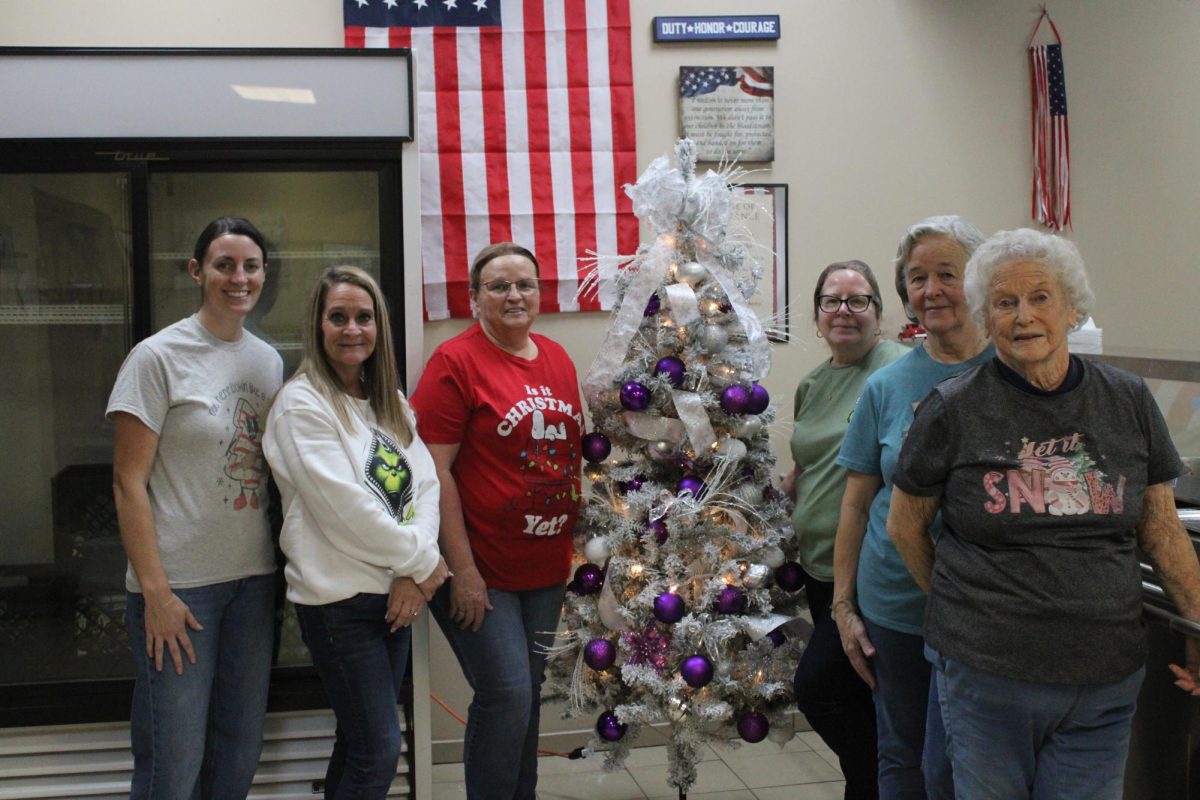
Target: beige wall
[886, 111]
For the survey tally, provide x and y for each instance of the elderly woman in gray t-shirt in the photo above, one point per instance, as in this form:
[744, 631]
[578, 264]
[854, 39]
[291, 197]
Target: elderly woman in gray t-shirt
[1049, 470]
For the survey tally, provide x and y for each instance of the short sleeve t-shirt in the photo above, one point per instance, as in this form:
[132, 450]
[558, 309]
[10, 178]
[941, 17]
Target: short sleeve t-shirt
[1036, 575]
[207, 399]
[887, 594]
[518, 426]
[824, 404]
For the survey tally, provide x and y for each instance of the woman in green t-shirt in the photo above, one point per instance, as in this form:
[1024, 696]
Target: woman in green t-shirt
[835, 700]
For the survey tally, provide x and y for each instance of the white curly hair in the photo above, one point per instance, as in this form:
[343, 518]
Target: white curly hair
[1059, 255]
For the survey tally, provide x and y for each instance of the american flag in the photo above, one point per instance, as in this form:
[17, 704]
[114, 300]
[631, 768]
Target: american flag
[1051, 139]
[758, 81]
[525, 128]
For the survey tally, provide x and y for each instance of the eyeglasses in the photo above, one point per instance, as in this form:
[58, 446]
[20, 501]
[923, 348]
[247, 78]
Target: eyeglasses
[525, 287]
[857, 303]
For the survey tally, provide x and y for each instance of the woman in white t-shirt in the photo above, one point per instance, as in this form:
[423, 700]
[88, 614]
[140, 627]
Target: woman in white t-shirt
[360, 499]
[189, 482]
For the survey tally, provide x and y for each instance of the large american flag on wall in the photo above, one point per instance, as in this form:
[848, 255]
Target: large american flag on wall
[525, 130]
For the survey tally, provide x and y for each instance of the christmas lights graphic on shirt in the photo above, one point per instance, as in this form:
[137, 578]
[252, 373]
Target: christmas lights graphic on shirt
[389, 477]
[1056, 476]
[245, 464]
[548, 461]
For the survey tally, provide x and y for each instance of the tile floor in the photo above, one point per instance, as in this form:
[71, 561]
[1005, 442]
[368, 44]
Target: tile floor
[803, 769]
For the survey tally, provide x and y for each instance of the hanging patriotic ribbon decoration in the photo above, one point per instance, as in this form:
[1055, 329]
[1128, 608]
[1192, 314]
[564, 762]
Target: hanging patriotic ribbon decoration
[1051, 138]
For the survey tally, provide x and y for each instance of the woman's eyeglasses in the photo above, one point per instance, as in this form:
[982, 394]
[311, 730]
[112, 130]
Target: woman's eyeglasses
[525, 287]
[857, 303]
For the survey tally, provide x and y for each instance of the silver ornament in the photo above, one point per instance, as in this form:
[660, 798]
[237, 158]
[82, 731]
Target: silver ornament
[661, 450]
[781, 732]
[721, 374]
[755, 576]
[596, 550]
[732, 449]
[676, 709]
[750, 493]
[692, 273]
[773, 557]
[714, 338]
[748, 426]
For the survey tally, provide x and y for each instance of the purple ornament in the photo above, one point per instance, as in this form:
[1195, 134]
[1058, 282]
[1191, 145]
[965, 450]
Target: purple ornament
[599, 654]
[696, 671]
[668, 608]
[777, 638]
[609, 728]
[656, 528]
[753, 726]
[731, 600]
[652, 306]
[588, 579]
[735, 399]
[789, 577]
[631, 485]
[648, 647]
[635, 396]
[671, 367]
[596, 447]
[690, 483]
[759, 399]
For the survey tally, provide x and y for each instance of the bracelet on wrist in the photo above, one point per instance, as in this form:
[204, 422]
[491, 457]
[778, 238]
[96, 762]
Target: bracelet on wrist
[842, 602]
[164, 603]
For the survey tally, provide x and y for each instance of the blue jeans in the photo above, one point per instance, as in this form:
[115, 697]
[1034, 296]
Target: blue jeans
[199, 734]
[913, 764]
[1014, 739]
[835, 700]
[361, 664]
[505, 664]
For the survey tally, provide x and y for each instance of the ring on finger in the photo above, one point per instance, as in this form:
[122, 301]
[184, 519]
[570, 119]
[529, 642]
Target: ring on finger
[416, 611]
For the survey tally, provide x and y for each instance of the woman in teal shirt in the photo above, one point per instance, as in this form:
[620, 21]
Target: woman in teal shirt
[877, 605]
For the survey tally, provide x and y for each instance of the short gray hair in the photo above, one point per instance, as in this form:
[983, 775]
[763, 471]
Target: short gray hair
[952, 225]
[1059, 255]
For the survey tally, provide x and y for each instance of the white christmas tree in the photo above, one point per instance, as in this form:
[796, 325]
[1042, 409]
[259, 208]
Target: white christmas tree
[675, 612]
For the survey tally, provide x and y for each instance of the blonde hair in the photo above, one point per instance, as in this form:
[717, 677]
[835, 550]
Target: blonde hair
[379, 375]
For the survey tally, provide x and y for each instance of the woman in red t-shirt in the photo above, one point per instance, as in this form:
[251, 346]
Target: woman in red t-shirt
[498, 407]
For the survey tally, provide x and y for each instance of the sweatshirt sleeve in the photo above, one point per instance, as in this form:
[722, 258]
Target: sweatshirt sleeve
[304, 448]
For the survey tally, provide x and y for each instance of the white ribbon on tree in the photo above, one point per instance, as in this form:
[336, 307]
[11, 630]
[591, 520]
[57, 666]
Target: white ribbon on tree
[691, 413]
[756, 339]
[684, 308]
[628, 318]
[654, 428]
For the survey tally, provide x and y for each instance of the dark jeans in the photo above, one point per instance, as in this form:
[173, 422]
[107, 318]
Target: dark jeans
[835, 700]
[913, 763]
[504, 662]
[198, 735]
[361, 665]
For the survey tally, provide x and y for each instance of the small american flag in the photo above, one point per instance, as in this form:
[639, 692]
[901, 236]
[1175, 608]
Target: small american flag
[525, 126]
[1051, 138]
[758, 81]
